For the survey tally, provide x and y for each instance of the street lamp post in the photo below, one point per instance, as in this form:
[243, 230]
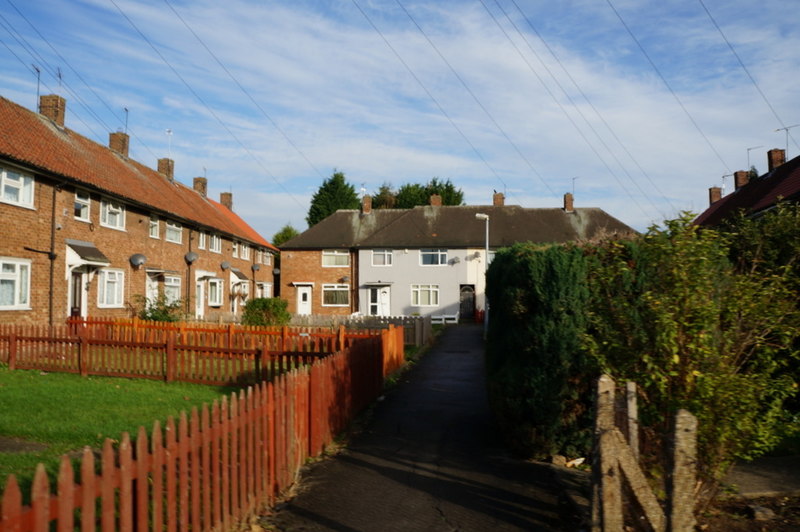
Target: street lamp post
[485, 218]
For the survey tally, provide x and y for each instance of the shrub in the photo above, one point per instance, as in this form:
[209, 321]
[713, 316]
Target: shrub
[266, 311]
[158, 308]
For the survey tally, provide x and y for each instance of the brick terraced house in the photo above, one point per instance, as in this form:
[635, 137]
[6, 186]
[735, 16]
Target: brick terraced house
[86, 229]
[428, 260]
[754, 196]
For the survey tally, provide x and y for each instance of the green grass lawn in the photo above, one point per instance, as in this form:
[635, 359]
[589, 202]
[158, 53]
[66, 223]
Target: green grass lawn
[67, 412]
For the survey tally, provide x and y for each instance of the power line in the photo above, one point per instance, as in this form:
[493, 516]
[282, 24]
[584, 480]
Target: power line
[474, 97]
[666, 83]
[245, 91]
[588, 101]
[752, 79]
[78, 75]
[428, 92]
[203, 102]
[563, 109]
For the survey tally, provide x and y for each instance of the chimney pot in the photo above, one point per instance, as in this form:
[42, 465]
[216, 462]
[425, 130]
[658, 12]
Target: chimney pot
[200, 184]
[119, 141]
[53, 107]
[569, 202]
[436, 200]
[740, 179]
[499, 199]
[775, 158]
[714, 195]
[226, 198]
[167, 167]
[366, 205]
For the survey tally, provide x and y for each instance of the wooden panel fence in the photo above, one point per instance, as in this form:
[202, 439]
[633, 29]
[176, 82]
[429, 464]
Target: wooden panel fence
[212, 470]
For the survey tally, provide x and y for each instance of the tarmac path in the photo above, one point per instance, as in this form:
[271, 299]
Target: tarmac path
[429, 460]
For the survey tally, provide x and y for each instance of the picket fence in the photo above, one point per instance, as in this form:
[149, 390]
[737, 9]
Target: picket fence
[215, 469]
[204, 357]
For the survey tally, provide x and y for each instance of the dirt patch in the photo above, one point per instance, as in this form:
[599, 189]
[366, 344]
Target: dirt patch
[753, 515]
[18, 445]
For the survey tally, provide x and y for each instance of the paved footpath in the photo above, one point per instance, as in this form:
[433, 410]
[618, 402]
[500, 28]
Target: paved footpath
[429, 460]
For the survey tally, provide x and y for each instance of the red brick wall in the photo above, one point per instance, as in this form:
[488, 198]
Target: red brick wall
[32, 228]
[306, 266]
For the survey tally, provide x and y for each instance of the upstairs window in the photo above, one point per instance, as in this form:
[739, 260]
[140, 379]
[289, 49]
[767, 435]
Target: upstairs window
[82, 204]
[15, 283]
[174, 232]
[112, 214]
[16, 188]
[154, 227]
[333, 258]
[381, 257]
[201, 240]
[433, 257]
[215, 244]
[244, 251]
[266, 257]
[235, 249]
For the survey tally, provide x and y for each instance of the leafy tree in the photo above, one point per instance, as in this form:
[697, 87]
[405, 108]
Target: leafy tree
[413, 194]
[286, 233]
[335, 193]
[385, 197]
[266, 311]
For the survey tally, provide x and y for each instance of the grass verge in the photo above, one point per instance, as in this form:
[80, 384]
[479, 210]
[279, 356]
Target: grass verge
[66, 412]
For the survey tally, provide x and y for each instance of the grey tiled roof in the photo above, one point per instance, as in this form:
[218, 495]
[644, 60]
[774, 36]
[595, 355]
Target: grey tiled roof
[455, 227]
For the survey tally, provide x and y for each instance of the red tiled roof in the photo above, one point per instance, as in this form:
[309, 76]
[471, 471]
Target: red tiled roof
[32, 140]
[759, 194]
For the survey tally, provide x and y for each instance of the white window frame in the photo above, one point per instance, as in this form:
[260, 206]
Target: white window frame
[173, 226]
[155, 227]
[263, 290]
[417, 290]
[172, 284]
[336, 288]
[108, 207]
[333, 256]
[388, 257]
[20, 279]
[215, 243]
[201, 240]
[235, 249]
[244, 251]
[215, 299]
[23, 184]
[84, 204]
[111, 283]
[439, 254]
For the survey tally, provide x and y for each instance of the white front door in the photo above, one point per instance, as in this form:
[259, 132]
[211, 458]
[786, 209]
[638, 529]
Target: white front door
[379, 300]
[304, 300]
[199, 300]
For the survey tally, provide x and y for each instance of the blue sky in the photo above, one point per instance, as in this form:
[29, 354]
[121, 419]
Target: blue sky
[531, 98]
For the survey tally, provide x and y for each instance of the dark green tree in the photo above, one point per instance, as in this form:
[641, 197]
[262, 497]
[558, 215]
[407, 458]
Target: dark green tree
[413, 194]
[385, 197]
[335, 193]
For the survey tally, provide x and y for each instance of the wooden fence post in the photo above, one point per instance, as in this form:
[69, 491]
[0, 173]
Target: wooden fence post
[83, 354]
[682, 480]
[607, 487]
[341, 337]
[171, 362]
[12, 351]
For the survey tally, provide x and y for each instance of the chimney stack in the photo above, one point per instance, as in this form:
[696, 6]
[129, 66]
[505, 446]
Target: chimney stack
[569, 202]
[714, 195]
[740, 179]
[226, 198]
[499, 199]
[53, 107]
[366, 205]
[200, 184]
[436, 200]
[118, 142]
[775, 158]
[167, 167]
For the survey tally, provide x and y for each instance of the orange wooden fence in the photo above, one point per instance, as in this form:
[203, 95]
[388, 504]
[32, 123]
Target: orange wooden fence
[217, 468]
